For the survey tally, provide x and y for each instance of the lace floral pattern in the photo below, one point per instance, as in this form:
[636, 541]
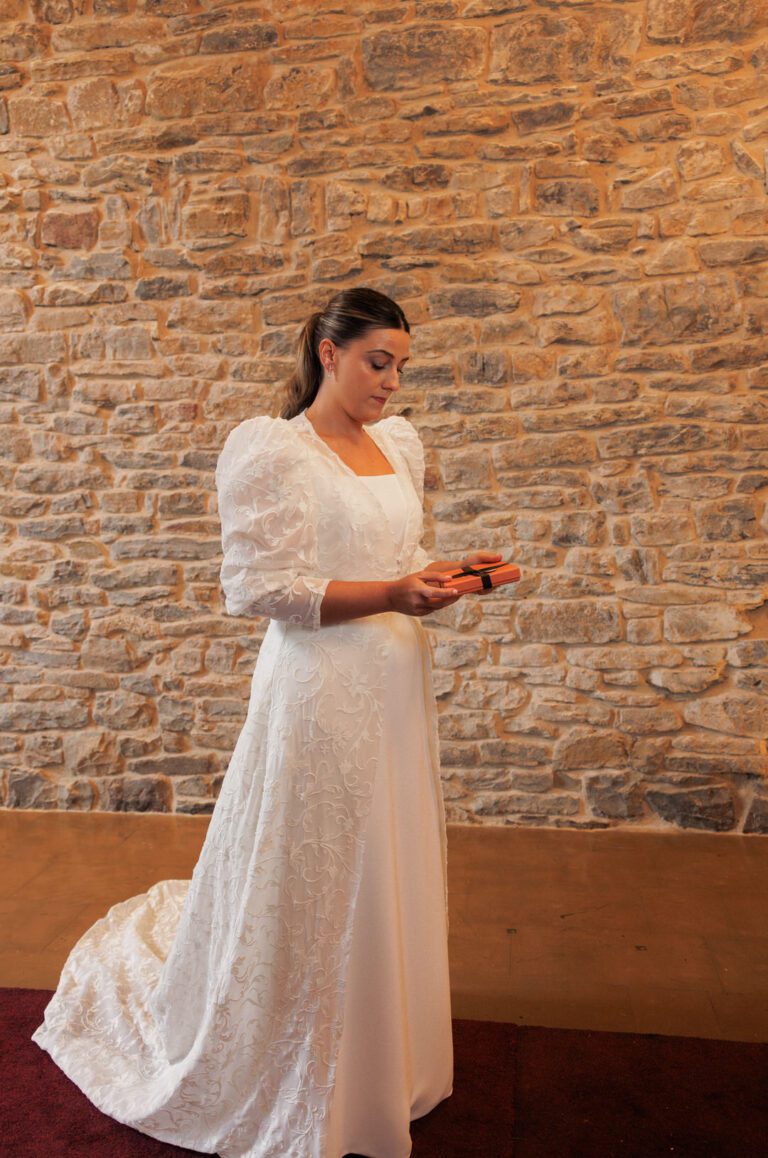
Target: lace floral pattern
[208, 1013]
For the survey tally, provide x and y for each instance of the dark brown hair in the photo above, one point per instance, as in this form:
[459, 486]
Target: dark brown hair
[348, 315]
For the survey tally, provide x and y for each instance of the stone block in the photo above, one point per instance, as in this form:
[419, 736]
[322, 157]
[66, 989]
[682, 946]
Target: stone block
[465, 469]
[90, 753]
[593, 329]
[658, 529]
[543, 116]
[569, 621]
[658, 189]
[31, 790]
[225, 215]
[190, 90]
[90, 35]
[303, 86]
[710, 808]
[684, 681]
[622, 494]
[688, 22]
[75, 229]
[567, 198]
[579, 528]
[249, 37]
[532, 48]
[122, 711]
[134, 794]
[23, 41]
[614, 794]
[37, 116]
[57, 478]
[457, 239]
[726, 520]
[152, 288]
[12, 310]
[537, 451]
[100, 103]
[712, 621]
[735, 713]
[757, 817]
[660, 438]
[44, 751]
[699, 158]
[472, 302]
[750, 653]
[644, 721]
[422, 54]
[35, 716]
[587, 748]
[109, 655]
[683, 309]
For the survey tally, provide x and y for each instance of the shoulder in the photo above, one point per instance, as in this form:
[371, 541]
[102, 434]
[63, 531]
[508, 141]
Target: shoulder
[259, 442]
[398, 424]
[404, 433]
[407, 439]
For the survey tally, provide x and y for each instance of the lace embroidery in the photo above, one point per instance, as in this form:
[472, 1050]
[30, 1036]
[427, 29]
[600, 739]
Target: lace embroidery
[235, 979]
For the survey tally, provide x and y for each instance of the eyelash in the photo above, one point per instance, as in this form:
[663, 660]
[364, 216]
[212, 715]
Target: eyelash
[377, 367]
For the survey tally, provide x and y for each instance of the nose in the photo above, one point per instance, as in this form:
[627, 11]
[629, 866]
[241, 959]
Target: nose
[393, 380]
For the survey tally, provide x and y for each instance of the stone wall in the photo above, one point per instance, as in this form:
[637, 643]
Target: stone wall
[569, 201]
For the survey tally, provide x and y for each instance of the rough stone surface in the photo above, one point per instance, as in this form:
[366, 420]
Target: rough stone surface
[571, 203]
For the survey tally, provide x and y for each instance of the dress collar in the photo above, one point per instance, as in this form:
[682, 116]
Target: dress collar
[302, 421]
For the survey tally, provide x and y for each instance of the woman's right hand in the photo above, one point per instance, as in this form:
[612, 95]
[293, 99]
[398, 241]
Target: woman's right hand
[411, 595]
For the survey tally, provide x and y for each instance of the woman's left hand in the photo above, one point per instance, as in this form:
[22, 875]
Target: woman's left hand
[478, 557]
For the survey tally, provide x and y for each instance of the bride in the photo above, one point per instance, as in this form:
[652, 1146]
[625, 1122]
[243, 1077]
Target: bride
[292, 999]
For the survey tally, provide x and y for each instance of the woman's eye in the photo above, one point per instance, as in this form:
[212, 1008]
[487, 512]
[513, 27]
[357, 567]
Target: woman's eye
[376, 366]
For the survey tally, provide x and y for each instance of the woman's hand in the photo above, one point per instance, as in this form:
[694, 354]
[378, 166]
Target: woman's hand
[472, 560]
[477, 558]
[411, 595]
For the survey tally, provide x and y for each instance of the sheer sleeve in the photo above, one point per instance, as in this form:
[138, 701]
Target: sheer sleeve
[267, 532]
[409, 443]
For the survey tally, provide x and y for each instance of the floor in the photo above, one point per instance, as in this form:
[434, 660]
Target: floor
[628, 931]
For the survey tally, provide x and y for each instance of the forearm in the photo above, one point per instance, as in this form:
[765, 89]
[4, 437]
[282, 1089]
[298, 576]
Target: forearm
[345, 600]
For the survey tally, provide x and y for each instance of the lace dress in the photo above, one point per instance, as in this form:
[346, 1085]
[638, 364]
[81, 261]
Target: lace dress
[291, 1000]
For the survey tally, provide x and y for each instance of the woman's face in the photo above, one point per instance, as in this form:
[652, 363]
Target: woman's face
[366, 372]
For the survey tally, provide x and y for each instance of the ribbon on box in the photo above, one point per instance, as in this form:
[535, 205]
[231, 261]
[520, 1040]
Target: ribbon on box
[480, 572]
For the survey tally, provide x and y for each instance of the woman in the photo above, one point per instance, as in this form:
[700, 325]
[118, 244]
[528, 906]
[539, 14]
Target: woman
[292, 999]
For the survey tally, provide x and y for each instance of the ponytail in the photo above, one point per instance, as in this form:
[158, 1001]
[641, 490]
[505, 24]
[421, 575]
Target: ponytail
[304, 383]
[348, 315]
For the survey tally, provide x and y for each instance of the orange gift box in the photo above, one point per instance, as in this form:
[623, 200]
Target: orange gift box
[479, 578]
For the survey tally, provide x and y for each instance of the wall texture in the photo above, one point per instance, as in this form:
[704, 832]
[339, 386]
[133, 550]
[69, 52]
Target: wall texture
[569, 200]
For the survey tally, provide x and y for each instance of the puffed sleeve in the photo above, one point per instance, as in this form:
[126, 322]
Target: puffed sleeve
[409, 443]
[267, 530]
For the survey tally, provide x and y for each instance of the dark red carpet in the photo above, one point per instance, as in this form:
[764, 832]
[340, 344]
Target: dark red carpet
[526, 1092]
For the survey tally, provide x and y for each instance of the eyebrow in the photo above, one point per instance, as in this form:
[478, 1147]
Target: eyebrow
[381, 350]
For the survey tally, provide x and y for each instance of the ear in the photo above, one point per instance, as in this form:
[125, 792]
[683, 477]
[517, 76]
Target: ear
[327, 351]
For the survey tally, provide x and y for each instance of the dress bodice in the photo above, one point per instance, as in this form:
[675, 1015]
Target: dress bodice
[294, 515]
[388, 489]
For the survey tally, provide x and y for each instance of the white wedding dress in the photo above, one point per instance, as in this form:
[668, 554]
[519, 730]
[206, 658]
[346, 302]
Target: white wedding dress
[292, 999]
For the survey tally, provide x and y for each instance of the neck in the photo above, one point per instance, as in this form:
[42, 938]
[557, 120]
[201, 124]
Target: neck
[330, 421]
